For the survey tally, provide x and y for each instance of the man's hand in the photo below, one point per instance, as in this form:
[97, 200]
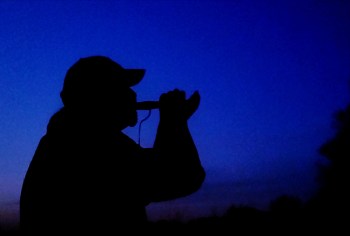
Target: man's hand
[175, 108]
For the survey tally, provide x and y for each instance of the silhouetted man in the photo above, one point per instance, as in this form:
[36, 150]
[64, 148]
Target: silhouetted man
[87, 175]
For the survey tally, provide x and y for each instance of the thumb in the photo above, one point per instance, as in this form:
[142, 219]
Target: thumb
[192, 104]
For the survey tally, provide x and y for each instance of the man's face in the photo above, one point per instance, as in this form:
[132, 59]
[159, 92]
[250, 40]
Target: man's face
[121, 109]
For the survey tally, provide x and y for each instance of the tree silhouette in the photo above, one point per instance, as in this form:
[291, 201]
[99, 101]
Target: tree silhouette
[336, 175]
[332, 199]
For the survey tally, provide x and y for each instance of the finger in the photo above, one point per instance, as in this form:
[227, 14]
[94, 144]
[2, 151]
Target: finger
[182, 95]
[179, 95]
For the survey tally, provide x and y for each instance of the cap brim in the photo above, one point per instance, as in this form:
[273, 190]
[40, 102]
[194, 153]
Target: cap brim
[134, 76]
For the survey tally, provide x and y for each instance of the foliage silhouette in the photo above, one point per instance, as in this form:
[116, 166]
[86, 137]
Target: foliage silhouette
[332, 199]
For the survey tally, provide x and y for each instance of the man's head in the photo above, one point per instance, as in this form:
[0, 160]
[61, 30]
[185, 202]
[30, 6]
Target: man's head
[103, 87]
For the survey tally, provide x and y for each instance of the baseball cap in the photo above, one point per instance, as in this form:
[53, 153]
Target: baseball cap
[96, 75]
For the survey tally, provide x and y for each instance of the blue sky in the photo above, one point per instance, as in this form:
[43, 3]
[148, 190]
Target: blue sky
[270, 75]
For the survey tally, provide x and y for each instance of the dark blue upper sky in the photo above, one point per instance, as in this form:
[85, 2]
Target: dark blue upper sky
[270, 74]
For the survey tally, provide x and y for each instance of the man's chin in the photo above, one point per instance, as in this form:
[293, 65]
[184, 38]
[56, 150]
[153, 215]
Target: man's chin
[133, 122]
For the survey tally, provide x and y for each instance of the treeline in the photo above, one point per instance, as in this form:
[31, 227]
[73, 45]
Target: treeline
[286, 214]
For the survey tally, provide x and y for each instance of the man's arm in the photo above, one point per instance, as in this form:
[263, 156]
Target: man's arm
[178, 167]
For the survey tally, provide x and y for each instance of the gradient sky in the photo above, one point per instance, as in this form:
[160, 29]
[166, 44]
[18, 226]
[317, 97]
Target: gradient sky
[270, 74]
